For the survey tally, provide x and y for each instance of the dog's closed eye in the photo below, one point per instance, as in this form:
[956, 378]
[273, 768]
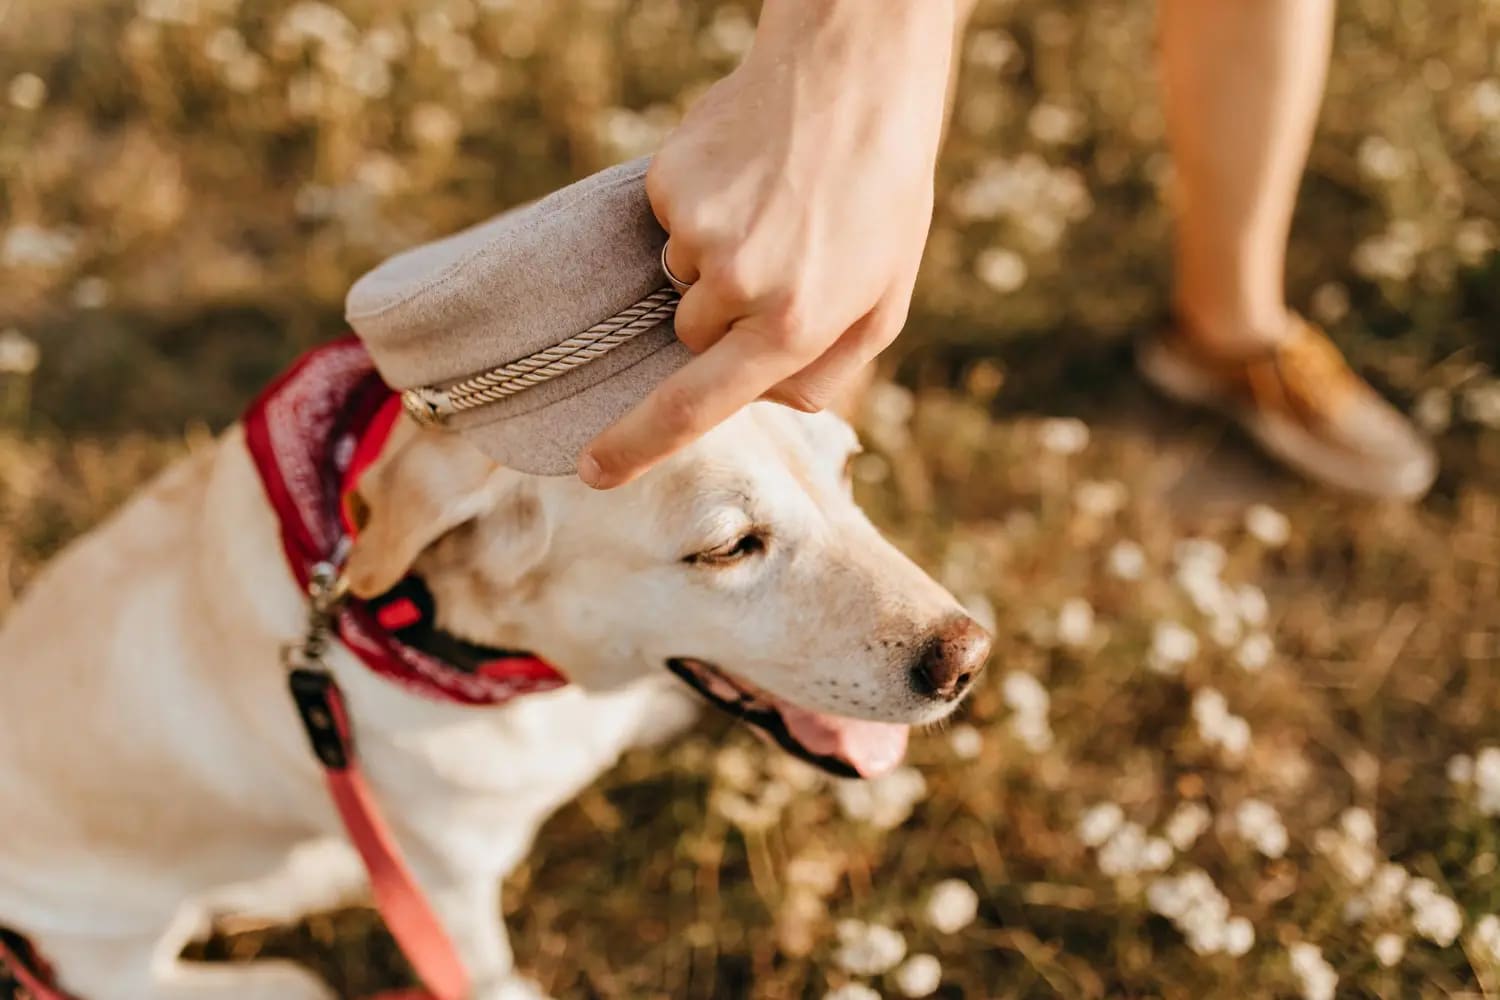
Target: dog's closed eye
[744, 546]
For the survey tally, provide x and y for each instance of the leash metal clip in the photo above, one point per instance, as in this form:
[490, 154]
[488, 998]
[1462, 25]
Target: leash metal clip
[312, 687]
[326, 590]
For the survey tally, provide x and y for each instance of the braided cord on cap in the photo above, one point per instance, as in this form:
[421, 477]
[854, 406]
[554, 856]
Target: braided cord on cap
[433, 406]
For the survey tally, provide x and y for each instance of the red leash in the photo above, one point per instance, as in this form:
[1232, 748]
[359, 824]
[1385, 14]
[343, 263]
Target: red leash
[407, 915]
[26, 972]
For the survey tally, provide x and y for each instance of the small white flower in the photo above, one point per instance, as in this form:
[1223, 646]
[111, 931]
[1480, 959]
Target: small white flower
[890, 406]
[884, 802]
[1033, 731]
[369, 76]
[868, 949]
[1127, 560]
[91, 292]
[1484, 99]
[1075, 623]
[1218, 727]
[388, 41]
[1172, 645]
[952, 905]
[1001, 269]
[1420, 891]
[1388, 256]
[1268, 525]
[1358, 825]
[244, 74]
[1207, 938]
[919, 976]
[433, 125]
[1487, 781]
[1379, 159]
[1025, 694]
[28, 245]
[731, 31]
[1122, 854]
[1167, 897]
[1187, 823]
[1316, 976]
[1260, 824]
[1434, 916]
[1199, 557]
[1099, 823]
[991, 49]
[1389, 949]
[1252, 605]
[1384, 891]
[1474, 241]
[1064, 435]
[1330, 303]
[1129, 852]
[225, 45]
[1351, 849]
[1101, 498]
[1486, 937]
[1200, 911]
[1054, 125]
[1433, 410]
[965, 741]
[19, 354]
[1239, 936]
[852, 991]
[1157, 855]
[1481, 403]
[27, 91]
[1255, 652]
[1210, 709]
[1460, 769]
[1234, 737]
[1225, 631]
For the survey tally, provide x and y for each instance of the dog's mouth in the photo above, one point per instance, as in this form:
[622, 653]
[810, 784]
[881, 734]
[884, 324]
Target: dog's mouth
[849, 748]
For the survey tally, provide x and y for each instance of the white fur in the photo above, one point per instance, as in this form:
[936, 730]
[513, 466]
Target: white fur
[155, 773]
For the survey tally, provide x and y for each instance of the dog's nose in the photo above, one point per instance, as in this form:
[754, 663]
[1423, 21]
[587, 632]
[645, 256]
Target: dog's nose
[951, 659]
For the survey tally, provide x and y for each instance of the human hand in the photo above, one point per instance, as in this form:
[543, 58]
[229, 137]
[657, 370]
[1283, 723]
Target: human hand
[797, 194]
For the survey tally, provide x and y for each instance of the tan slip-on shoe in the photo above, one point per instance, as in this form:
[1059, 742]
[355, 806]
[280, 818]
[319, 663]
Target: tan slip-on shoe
[1303, 404]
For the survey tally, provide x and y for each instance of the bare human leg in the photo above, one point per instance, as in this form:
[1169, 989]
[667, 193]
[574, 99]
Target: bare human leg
[1243, 81]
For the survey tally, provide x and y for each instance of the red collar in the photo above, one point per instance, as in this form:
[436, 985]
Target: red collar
[310, 433]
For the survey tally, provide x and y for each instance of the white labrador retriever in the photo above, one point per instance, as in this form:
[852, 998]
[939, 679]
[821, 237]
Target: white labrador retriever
[154, 772]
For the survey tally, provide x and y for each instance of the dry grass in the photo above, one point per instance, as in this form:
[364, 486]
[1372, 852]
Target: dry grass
[191, 204]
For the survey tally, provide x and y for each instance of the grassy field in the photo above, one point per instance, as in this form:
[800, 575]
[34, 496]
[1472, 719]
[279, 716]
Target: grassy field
[1238, 738]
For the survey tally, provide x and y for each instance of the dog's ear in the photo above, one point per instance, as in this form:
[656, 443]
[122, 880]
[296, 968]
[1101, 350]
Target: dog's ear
[424, 485]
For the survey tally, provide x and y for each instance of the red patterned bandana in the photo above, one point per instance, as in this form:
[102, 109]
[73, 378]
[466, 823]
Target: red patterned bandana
[309, 432]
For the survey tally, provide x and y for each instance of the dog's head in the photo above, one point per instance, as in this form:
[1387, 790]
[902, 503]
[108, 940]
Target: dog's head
[742, 564]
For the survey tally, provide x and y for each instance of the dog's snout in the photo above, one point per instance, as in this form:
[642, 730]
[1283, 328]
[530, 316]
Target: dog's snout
[951, 659]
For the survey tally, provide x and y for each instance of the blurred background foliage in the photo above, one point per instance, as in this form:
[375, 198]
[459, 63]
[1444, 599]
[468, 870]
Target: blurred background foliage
[1202, 665]
[189, 186]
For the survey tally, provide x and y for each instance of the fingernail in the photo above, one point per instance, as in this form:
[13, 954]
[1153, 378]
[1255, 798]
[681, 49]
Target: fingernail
[589, 471]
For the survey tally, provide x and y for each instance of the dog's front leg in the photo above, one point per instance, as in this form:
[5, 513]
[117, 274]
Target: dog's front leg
[469, 909]
[146, 966]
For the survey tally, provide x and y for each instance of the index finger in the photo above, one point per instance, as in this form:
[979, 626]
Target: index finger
[688, 404]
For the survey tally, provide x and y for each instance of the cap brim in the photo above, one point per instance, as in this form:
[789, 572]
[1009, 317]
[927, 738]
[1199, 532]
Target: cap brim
[542, 430]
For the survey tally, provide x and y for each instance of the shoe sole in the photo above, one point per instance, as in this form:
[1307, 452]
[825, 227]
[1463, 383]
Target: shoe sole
[1283, 439]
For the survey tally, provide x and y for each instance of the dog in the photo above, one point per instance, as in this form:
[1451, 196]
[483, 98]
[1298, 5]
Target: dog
[155, 774]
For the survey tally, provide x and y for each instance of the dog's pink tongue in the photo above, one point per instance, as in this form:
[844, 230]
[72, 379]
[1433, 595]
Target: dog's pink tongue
[871, 748]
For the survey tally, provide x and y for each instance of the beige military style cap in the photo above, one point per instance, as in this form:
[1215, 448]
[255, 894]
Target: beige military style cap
[531, 332]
